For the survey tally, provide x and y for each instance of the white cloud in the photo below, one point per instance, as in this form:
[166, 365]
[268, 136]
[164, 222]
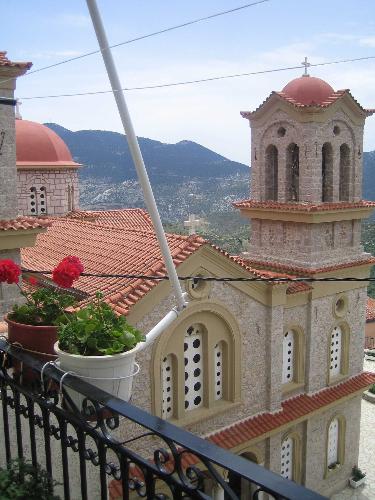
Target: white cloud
[368, 41]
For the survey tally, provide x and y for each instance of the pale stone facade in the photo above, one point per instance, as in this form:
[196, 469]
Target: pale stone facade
[57, 188]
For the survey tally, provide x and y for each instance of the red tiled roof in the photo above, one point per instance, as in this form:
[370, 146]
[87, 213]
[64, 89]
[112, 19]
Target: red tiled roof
[4, 61]
[108, 250]
[119, 248]
[335, 96]
[303, 271]
[128, 218]
[370, 309]
[293, 287]
[22, 223]
[254, 427]
[292, 409]
[303, 207]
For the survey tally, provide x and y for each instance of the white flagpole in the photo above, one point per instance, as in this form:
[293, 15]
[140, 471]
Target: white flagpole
[135, 151]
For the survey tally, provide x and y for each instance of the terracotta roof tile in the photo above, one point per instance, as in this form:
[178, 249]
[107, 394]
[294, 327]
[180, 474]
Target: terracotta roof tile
[335, 96]
[112, 250]
[370, 309]
[4, 61]
[302, 207]
[22, 223]
[303, 271]
[292, 409]
[129, 218]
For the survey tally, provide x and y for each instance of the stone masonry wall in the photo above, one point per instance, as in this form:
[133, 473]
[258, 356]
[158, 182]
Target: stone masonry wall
[58, 188]
[316, 446]
[310, 137]
[306, 245]
[321, 321]
[8, 196]
[251, 317]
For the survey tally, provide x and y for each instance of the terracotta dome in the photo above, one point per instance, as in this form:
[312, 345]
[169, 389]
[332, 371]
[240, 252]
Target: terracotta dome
[308, 90]
[37, 145]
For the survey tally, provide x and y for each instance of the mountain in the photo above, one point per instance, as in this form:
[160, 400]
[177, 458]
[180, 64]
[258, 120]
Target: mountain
[369, 175]
[186, 177]
[106, 155]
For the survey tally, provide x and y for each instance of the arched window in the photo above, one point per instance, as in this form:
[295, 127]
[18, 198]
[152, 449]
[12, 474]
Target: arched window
[287, 458]
[196, 367]
[168, 377]
[288, 357]
[271, 173]
[338, 352]
[344, 183]
[293, 359]
[335, 443]
[290, 457]
[38, 200]
[292, 172]
[327, 172]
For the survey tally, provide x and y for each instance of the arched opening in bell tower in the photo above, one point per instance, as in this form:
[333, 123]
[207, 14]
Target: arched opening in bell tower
[327, 172]
[292, 172]
[344, 183]
[271, 173]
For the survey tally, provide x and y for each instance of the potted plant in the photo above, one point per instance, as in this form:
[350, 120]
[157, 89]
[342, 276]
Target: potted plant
[20, 480]
[99, 346]
[358, 477]
[33, 324]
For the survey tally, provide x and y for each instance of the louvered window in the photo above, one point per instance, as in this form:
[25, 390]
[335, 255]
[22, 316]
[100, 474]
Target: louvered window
[335, 352]
[218, 367]
[194, 372]
[333, 443]
[288, 357]
[167, 387]
[287, 451]
[38, 200]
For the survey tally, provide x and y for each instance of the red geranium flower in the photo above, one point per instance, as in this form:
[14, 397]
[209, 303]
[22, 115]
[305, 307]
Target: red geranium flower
[9, 271]
[67, 271]
[32, 280]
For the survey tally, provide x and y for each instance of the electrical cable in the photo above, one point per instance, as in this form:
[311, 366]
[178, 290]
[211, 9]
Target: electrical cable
[143, 37]
[212, 278]
[202, 80]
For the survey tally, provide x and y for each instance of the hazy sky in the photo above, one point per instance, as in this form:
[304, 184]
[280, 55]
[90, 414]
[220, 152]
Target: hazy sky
[270, 35]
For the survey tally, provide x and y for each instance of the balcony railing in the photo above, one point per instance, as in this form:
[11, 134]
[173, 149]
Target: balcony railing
[113, 446]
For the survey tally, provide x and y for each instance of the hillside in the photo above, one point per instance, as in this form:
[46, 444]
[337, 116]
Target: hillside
[105, 155]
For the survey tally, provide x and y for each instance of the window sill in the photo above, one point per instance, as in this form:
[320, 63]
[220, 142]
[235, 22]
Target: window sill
[291, 387]
[202, 414]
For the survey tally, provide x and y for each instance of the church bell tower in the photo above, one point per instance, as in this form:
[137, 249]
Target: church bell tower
[306, 178]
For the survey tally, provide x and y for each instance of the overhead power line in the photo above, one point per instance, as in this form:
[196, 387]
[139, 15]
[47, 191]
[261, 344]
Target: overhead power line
[143, 37]
[163, 277]
[201, 80]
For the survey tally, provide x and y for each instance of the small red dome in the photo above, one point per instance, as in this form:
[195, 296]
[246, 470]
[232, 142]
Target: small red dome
[308, 90]
[36, 144]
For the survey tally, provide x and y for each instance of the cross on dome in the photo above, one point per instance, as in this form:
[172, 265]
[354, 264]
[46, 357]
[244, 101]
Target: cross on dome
[306, 64]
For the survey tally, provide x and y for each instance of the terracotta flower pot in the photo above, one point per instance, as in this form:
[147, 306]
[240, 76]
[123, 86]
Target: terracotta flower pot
[36, 340]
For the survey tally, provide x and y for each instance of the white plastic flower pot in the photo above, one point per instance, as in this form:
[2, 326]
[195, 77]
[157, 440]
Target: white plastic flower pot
[357, 484]
[113, 374]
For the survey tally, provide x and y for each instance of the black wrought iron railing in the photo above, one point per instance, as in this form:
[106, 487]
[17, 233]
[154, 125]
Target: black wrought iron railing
[112, 449]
